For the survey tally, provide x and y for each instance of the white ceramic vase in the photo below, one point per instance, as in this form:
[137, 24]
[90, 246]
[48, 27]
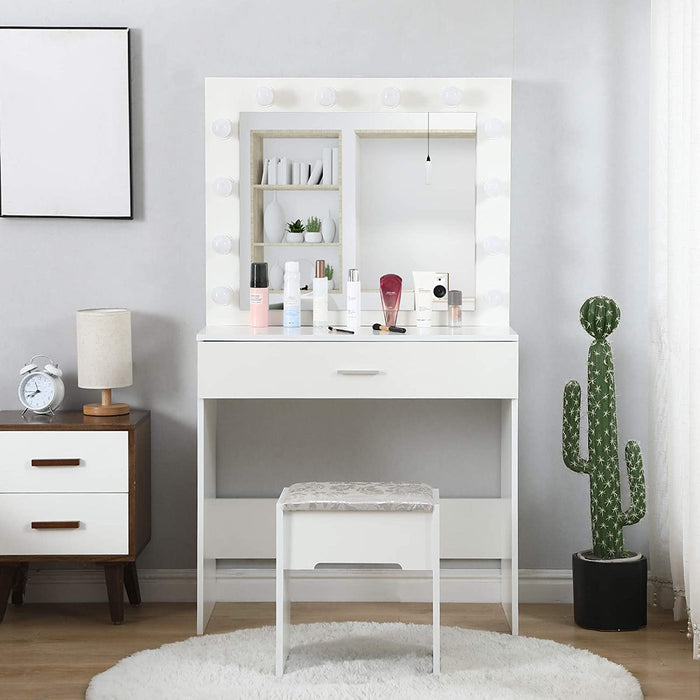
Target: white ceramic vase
[274, 222]
[312, 237]
[295, 237]
[328, 229]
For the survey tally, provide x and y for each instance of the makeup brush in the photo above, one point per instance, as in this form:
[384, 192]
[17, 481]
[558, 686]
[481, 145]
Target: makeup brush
[392, 329]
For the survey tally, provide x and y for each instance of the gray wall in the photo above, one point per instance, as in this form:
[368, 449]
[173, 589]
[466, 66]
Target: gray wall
[578, 223]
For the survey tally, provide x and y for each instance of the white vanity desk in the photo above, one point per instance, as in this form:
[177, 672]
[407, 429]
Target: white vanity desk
[388, 221]
[236, 362]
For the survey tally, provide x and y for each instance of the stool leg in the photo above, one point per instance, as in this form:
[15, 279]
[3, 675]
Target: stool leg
[436, 590]
[282, 599]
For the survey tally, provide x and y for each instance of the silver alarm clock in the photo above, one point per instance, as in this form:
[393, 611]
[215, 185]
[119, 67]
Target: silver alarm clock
[41, 390]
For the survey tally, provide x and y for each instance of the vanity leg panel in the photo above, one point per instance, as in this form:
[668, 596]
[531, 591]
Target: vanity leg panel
[206, 489]
[509, 490]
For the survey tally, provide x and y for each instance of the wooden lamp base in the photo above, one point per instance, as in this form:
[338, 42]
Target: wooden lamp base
[106, 408]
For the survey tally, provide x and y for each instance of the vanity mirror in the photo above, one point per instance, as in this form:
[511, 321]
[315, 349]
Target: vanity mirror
[353, 175]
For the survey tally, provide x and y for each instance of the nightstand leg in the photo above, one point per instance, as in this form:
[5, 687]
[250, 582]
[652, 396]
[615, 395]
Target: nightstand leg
[7, 579]
[20, 583]
[131, 583]
[114, 578]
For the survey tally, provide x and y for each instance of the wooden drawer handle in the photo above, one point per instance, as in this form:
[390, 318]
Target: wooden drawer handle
[55, 462]
[360, 372]
[55, 524]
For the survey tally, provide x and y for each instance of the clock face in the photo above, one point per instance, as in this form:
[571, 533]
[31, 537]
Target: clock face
[36, 391]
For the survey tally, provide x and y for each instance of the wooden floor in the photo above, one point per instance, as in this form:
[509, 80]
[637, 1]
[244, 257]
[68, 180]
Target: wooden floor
[52, 651]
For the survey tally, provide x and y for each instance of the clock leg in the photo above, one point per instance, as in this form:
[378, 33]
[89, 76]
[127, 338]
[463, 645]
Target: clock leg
[114, 578]
[131, 583]
[7, 579]
[20, 583]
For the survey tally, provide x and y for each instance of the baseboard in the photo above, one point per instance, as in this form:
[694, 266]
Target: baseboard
[251, 585]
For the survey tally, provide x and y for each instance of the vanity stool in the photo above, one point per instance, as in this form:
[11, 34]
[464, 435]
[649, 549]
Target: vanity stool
[356, 523]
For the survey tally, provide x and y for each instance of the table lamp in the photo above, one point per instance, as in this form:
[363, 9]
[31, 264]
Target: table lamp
[104, 356]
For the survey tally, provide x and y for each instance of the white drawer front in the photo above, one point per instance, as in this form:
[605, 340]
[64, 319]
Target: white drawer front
[102, 518]
[358, 370]
[98, 461]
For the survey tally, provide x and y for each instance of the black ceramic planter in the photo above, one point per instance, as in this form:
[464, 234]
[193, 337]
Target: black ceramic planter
[610, 595]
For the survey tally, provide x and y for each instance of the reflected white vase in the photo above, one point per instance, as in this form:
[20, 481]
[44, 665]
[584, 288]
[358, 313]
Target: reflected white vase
[328, 229]
[274, 222]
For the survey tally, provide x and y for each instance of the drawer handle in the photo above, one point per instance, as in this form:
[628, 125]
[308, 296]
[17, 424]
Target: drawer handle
[55, 462]
[360, 372]
[55, 524]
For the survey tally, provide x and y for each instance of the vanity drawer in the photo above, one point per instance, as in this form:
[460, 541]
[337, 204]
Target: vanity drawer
[42, 524]
[64, 462]
[354, 370]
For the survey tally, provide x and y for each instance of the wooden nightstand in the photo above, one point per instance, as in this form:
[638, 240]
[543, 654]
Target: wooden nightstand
[74, 488]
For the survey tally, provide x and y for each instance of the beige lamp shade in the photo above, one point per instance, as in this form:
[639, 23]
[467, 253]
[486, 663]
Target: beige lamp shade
[104, 348]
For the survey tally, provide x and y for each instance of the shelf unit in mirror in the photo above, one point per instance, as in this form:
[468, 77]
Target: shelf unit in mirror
[274, 205]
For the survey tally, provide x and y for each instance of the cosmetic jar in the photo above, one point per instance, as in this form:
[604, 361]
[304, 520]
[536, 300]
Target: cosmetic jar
[454, 308]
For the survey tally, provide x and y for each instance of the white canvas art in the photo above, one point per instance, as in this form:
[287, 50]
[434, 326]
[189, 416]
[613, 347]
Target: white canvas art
[64, 123]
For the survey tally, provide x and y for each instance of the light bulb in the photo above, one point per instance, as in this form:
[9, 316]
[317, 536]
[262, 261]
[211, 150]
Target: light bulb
[265, 96]
[493, 128]
[493, 298]
[223, 186]
[222, 128]
[493, 245]
[451, 95]
[222, 244]
[391, 97]
[428, 171]
[326, 96]
[222, 295]
[493, 187]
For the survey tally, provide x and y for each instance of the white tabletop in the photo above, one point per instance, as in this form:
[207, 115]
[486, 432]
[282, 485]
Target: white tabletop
[278, 333]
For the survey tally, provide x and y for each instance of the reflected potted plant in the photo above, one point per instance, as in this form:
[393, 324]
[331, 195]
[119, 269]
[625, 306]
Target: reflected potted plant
[295, 231]
[610, 583]
[329, 276]
[313, 230]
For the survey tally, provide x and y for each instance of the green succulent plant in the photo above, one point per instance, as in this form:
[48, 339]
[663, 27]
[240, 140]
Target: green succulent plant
[313, 224]
[329, 272]
[296, 226]
[599, 317]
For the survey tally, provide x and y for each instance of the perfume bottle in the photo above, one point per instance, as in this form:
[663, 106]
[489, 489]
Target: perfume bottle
[390, 289]
[259, 295]
[320, 295]
[454, 308]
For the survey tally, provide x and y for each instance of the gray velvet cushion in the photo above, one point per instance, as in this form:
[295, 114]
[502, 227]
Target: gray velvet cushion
[357, 495]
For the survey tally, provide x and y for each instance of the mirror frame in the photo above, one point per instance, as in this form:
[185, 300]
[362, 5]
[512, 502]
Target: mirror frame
[488, 98]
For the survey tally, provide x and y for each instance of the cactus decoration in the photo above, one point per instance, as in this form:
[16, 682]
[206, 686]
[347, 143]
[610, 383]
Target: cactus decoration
[599, 317]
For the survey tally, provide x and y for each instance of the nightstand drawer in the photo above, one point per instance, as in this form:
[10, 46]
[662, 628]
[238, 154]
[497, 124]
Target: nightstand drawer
[64, 462]
[64, 524]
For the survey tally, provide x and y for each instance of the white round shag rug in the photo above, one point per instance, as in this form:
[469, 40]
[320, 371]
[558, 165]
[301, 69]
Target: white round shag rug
[365, 660]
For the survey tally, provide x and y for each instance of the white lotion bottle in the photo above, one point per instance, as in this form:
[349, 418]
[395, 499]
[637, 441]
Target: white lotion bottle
[353, 306]
[320, 295]
[292, 295]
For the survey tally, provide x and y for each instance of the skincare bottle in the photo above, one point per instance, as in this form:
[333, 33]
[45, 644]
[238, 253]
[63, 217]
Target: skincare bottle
[320, 299]
[423, 292]
[454, 308]
[292, 295]
[259, 300]
[353, 300]
[390, 289]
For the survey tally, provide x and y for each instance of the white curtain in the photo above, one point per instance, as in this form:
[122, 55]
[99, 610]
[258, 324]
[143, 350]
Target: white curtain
[674, 308]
